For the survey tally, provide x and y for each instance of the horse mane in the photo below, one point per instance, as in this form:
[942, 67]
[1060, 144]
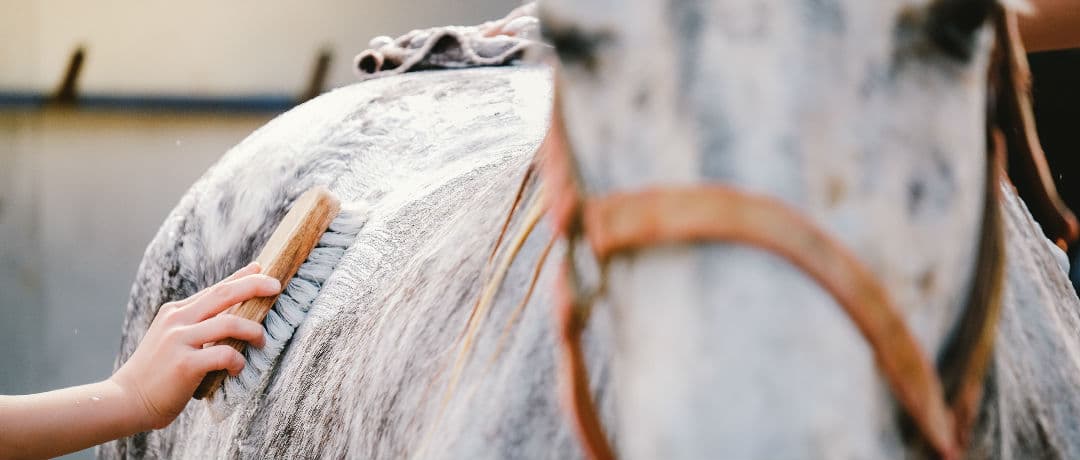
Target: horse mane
[1028, 408]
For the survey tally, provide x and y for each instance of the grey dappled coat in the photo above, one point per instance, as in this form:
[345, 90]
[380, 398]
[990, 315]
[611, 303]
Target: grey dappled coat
[438, 158]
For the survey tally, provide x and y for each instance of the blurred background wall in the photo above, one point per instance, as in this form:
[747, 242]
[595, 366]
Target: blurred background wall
[207, 46]
[84, 189]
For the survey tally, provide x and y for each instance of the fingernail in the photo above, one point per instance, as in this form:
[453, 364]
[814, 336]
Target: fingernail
[256, 266]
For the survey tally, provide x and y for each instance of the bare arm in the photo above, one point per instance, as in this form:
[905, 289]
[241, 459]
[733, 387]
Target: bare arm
[151, 388]
[1054, 25]
[62, 421]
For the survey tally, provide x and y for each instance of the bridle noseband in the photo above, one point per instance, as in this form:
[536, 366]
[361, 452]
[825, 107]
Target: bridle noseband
[942, 407]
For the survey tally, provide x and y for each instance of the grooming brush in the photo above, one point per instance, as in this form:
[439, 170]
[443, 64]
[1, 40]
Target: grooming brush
[317, 229]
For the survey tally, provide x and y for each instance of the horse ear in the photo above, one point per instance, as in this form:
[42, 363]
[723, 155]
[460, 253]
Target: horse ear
[953, 24]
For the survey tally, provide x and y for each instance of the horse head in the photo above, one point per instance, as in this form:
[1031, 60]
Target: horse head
[866, 120]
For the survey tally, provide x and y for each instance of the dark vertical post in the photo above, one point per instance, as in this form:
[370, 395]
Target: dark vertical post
[68, 92]
[317, 81]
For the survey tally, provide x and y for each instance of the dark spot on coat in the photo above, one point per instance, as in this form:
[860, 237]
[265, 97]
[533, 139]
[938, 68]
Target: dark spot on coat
[952, 25]
[716, 139]
[874, 79]
[932, 187]
[225, 207]
[836, 190]
[137, 445]
[943, 167]
[916, 194]
[686, 18]
[576, 47]
[641, 97]
[927, 283]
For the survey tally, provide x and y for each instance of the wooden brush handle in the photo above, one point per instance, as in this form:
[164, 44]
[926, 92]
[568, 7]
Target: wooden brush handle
[287, 248]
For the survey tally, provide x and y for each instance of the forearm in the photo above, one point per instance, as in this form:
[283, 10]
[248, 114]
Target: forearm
[58, 422]
[1055, 25]
[152, 387]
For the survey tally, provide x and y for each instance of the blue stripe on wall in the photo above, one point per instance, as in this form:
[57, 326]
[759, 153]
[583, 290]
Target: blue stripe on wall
[268, 103]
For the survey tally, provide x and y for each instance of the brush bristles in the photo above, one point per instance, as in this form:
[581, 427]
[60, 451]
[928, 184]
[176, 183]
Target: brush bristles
[291, 308]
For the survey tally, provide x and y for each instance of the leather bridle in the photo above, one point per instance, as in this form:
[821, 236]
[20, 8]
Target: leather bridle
[942, 405]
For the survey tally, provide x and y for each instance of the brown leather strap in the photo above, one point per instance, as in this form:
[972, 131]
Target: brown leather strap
[1026, 160]
[716, 213]
[629, 221]
[564, 208]
[572, 316]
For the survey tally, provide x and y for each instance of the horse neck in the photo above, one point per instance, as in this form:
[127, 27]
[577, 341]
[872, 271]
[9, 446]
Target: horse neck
[1031, 403]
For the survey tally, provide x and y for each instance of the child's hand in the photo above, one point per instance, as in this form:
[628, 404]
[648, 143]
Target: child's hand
[170, 361]
[151, 388]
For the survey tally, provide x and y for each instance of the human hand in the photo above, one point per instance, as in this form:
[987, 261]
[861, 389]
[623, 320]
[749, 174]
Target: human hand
[171, 360]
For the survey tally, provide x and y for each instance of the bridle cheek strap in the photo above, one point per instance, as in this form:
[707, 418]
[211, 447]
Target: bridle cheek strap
[713, 213]
[624, 222]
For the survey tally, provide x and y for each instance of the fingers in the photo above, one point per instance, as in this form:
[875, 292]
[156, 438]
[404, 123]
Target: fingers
[249, 269]
[224, 327]
[223, 295]
[217, 357]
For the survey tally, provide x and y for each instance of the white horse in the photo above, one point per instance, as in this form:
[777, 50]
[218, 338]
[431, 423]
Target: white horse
[436, 338]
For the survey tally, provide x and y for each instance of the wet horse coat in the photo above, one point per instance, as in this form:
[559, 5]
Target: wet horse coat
[438, 157]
